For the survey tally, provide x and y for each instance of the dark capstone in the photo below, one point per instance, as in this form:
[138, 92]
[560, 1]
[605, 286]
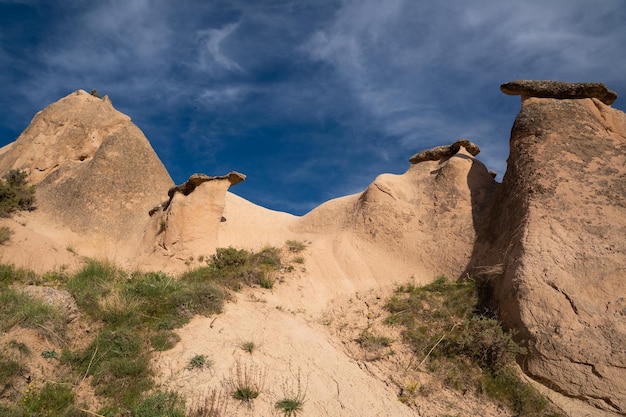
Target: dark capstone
[559, 90]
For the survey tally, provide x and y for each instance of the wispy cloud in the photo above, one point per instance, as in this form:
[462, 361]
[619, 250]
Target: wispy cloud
[213, 52]
[329, 93]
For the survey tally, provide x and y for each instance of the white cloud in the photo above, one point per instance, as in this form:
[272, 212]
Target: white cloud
[212, 41]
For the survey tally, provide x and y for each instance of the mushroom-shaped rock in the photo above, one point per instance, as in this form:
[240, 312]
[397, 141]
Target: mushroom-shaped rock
[446, 151]
[559, 90]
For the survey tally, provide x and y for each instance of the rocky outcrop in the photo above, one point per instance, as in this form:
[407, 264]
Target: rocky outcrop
[188, 223]
[553, 245]
[446, 151]
[559, 90]
[95, 171]
[424, 219]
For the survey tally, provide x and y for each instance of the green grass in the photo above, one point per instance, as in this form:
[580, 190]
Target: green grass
[53, 400]
[133, 315]
[160, 404]
[453, 336]
[198, 362]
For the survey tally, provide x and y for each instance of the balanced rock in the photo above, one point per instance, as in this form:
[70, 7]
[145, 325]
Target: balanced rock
[188, 222]
[554, 247]
[446, 151]
[559, 90]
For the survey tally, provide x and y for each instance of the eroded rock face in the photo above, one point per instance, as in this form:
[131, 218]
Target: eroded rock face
[188, 223]
[559, 90]
[555, 250]
[95, 171]
[424, 218]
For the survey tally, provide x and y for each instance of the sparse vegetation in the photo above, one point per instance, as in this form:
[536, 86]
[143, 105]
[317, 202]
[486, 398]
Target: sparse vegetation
[454, 337]
[133, 315]
[15, 193]
[199, 362]
[159, 404]
[95, 93]
[295, 246]
[5, 234]
[293, 400]
[213, 404]
[246, 382]
[248, 347]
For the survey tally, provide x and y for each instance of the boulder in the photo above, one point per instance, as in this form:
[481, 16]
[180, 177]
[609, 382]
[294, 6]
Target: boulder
[553, 246]
[559, 90]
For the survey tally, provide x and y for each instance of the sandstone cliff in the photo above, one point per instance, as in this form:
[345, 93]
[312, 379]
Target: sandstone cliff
[553, 244]
[96, 173]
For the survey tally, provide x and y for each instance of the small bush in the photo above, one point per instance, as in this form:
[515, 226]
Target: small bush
[15, 193]
[5, 234]
[199, 362]
[295, 246]
[248, 346]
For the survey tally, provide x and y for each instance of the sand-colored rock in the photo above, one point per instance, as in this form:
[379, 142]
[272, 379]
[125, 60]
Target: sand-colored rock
[96, 174]
[187, 224]
[554, 247]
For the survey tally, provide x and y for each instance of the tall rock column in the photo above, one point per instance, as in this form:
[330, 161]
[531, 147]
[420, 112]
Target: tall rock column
[554, 243]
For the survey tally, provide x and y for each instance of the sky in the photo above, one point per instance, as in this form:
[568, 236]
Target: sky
[314, 99]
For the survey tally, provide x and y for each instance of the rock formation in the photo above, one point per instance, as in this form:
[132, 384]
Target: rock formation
[559, 90]
[446, 151]
[187, 224]
[553, 243]
[95, 171]
[424, 218]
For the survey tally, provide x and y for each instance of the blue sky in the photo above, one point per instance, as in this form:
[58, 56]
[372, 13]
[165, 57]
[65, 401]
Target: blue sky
[310, 99]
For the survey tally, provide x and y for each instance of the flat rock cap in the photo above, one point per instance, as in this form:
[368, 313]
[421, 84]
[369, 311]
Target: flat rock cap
[440, 152]
[559, 90]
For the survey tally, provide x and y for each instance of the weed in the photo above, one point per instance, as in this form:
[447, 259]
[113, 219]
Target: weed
[295, 246]
[213, 404]
[246, 383]
[199, 362]
[265, 281]
[248, 347]
[5, 234]
[293, 400]
[299, 259]
[49, 354]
